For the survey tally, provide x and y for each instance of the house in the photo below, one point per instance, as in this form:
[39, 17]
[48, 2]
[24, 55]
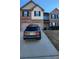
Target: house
[54, 17]
[46, 20]
[31, 13]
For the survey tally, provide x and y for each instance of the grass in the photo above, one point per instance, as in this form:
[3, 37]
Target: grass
[53, 36]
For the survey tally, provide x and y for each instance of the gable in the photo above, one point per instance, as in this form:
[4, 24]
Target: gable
[55, 11]
[37, 8]
[29, 6]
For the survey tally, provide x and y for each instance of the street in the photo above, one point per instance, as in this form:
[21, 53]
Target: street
[41, 49]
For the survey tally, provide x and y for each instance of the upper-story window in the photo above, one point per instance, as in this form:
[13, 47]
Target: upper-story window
[37, 13]
[54, 16]
[46, 17]
[57, 16]
[26, 13]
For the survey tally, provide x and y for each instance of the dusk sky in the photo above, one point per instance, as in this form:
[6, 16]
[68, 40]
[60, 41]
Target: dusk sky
[47, 5]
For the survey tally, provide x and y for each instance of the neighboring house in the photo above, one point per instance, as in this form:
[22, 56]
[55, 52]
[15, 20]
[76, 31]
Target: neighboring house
[46, 20]
[54, 17]
[31, 13]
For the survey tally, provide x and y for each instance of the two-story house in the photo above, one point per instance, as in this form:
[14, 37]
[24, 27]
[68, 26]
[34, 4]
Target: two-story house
[31, 13]
[54, 17]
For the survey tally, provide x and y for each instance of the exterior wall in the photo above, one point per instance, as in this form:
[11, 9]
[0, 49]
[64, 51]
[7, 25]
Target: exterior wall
[37, 17]
[25, 20]
[38, 22]
[46, 24]
[25, 24]
[54, 20]
[46, 20]
[29, 6]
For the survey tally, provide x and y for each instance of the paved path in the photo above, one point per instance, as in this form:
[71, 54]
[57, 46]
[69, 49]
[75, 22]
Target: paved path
[41, 49]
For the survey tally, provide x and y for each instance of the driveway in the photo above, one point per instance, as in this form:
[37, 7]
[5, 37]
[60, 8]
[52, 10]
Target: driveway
[42, 49]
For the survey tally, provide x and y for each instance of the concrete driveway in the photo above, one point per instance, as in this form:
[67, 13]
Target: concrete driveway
[42, 49]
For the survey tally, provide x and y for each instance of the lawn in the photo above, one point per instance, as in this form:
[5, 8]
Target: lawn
[53, 36]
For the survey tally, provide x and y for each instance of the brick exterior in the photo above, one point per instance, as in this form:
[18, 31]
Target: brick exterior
[26, 20]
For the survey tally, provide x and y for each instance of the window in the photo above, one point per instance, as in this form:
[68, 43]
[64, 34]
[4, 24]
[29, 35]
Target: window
[26, 13]
[57, 16]
[37, 13]
[32, 28]
[54, 24]
[50, 24]
[46, 17]
[54, 16]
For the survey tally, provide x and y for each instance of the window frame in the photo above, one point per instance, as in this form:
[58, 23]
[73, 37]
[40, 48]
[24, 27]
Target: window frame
[28, 14]
[57, 16]
[54, 23]
[37, 13]
[54, 16]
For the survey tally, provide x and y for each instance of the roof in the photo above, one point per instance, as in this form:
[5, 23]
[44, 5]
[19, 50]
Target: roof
[56, 10]
[33, 7]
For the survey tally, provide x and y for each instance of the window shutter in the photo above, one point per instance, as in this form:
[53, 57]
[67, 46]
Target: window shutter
[22, 13]
[54, 16]
[27, 13]
[51, 16]
[39, 13]
[57, 16]
[34, 13]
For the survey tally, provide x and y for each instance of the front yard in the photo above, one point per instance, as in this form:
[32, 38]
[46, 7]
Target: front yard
[53, 35]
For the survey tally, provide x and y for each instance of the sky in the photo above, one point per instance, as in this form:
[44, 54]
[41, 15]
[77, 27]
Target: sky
[47, 5]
